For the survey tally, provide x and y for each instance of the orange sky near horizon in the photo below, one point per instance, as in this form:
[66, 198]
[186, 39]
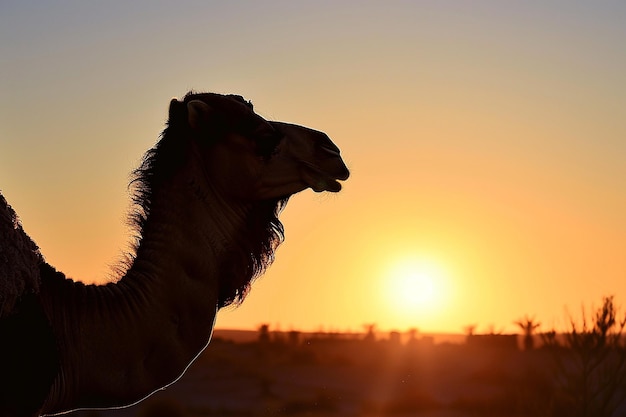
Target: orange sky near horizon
[486, 143]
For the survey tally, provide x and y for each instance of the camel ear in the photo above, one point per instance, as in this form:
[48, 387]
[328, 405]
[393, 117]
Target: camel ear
[198, 113]
[177, 111]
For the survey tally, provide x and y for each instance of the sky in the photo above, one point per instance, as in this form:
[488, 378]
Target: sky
[486, 141]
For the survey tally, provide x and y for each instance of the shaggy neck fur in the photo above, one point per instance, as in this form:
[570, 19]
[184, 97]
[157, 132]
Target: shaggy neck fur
[196, 252]
[19, 260]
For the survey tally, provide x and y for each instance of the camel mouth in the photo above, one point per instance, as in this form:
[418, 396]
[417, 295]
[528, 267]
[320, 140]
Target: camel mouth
[325, 179]
[329, 185]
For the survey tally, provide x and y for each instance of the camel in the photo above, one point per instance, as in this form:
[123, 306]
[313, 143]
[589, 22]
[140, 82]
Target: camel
[206, 200]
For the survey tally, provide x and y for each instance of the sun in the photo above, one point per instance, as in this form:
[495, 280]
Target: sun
[415, 287]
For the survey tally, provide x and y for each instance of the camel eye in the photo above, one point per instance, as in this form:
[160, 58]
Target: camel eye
[267, 143]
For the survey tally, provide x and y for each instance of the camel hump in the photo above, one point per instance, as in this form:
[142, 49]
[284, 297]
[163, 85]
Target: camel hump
[19, 260]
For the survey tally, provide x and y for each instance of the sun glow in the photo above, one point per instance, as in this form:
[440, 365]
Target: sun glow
[415, 288]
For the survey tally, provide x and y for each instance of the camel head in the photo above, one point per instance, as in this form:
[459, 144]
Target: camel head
[247, 157]
[244, 168]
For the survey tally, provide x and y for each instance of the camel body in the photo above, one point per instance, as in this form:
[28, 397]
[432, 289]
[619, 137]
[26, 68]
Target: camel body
[206, 204]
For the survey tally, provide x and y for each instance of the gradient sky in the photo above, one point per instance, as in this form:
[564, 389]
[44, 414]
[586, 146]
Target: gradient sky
[487, 143]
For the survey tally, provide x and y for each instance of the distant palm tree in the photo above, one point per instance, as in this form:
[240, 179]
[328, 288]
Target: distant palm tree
[470, 329]
[264, 333]
[370, 332]
[528, 326]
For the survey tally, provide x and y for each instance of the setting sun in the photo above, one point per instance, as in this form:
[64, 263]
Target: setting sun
[415, 287]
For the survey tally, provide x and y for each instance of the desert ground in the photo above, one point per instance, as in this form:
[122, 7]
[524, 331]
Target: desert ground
[330, 374]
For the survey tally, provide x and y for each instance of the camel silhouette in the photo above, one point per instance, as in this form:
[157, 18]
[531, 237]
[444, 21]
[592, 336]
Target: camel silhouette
[206, 202]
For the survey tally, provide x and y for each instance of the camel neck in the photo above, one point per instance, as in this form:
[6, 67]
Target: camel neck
[126, 340]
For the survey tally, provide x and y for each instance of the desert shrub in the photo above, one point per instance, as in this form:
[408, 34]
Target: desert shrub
[590, 365]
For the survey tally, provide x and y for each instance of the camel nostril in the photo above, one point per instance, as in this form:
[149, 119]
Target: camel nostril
[328, 148]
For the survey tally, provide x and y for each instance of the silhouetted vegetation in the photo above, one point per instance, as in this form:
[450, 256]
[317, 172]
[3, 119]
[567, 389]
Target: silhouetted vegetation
[528, 326]
[590, 366]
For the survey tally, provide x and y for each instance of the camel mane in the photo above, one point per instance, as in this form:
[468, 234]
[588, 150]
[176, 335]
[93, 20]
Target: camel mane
[19, 260]
[252, 250]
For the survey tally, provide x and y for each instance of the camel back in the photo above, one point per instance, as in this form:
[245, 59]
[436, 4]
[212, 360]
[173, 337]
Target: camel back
[19, 260]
